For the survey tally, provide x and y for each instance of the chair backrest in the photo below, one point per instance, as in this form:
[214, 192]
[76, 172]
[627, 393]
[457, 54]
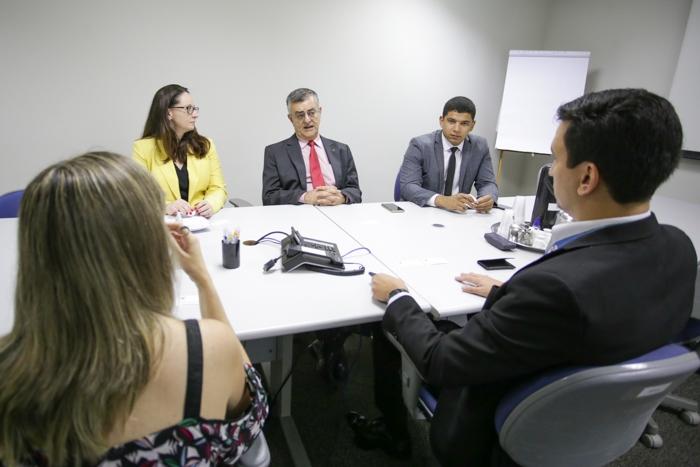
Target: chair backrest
[397, 188]
[587, 416]
[257, 455]
[9, 204]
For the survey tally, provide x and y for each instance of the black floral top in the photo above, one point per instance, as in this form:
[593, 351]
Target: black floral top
[197, 441]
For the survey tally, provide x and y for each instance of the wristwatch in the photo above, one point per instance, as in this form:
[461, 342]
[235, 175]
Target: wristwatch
[394, 292]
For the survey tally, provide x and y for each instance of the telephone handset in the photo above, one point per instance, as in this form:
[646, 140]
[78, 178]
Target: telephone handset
[299, 251]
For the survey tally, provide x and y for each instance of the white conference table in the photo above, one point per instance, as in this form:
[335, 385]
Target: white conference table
[267, 309]
[428, 248]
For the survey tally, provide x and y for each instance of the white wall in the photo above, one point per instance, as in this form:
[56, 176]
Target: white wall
[80, 74]
[633, 43]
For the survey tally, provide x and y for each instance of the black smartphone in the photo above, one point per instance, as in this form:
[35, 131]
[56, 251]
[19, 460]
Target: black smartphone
[498, 263]
[391, 207]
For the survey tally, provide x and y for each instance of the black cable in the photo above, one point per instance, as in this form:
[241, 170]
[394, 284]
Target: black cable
[286, 378]
[270, 233]
[336, 272]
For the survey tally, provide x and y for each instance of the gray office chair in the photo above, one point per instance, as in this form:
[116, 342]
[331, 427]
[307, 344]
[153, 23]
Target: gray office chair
[688, 410]
[589, 416]
[574, 416]
[257, 455]
[239, 202]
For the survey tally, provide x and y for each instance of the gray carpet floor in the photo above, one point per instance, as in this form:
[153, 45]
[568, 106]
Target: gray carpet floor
[319, 413]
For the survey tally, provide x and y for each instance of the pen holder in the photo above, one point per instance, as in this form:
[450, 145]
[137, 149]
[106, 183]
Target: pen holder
[231, 254]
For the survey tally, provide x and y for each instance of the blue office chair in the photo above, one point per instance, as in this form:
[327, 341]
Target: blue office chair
[585, 416]
[687, 409]
[574, 416]
[397, 188]
[9, 204]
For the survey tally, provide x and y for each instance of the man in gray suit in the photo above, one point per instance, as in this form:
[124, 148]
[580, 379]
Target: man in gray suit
[439, 168]
[308, 168]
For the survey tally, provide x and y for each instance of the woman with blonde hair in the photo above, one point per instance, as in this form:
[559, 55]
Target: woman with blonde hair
[96, 369]
[184, 163]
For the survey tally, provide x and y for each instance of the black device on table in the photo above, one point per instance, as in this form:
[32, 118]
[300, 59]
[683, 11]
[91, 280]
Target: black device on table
[497, 263]
[391, 207]
[300, 251]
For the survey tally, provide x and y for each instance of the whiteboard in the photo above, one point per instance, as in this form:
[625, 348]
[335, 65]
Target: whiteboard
[685, 92]
[537, 83]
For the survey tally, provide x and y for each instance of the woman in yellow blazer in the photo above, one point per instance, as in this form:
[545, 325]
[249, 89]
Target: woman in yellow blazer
[183, 162]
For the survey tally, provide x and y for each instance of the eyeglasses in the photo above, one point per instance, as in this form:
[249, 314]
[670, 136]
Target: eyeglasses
[302, 115]
[190, 109]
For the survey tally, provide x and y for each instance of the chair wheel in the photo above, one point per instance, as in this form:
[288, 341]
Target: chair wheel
[691, 418]
[652, 441]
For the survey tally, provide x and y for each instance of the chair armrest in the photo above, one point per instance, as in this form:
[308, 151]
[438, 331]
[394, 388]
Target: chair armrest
[239, 202]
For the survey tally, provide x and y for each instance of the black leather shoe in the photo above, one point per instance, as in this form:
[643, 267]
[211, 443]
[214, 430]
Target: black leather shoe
[374, 434]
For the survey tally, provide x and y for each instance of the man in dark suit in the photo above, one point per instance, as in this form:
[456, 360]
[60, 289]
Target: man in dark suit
[306, 167]
[614, 284]
[439, 168]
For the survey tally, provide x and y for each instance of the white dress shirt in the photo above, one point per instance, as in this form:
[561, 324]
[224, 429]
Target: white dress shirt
[326, 168]
[447, 153]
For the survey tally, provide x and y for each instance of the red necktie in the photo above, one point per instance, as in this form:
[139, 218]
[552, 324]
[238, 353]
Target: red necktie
[315, 167]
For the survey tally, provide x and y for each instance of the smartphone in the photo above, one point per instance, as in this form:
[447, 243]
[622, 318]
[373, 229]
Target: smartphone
[391, 207]
[498, 263]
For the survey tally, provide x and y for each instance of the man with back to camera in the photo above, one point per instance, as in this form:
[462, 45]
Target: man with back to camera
[439, 168]
[309, 168]
[614, 284]
[306, 167]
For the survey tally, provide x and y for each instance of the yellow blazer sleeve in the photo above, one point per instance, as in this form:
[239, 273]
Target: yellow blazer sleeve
[146, 152]
[207, 180]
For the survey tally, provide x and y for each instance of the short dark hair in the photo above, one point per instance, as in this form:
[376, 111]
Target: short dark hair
[633, 137]
[300, 95]
[460, 104]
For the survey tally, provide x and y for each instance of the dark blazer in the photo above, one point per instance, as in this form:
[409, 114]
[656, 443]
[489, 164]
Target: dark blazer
[422, 172]
[284, 172]
[605, 297]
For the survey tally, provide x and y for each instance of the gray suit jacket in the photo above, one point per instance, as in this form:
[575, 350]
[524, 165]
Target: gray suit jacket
[422, 173]
[284, 172]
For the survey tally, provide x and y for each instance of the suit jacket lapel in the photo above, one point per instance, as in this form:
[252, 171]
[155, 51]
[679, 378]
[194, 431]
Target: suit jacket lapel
[334, 158]
[440, 161]
[167, 169]
[294, 152]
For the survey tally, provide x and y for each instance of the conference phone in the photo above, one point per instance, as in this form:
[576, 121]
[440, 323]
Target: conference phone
[300, 251]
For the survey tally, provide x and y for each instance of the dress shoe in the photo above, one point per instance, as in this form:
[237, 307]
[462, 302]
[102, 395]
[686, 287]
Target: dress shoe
[373, 434]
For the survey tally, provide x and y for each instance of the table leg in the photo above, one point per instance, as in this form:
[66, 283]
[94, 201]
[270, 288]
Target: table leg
[280, 367]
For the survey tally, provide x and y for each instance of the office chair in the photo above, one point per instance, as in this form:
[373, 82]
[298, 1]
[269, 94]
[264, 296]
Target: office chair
[257, 455]
[586, 416]
[9, 204]
[239, 202]
[688, 410]
[574, 415]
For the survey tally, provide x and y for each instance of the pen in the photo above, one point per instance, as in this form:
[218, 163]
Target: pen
[371, 273]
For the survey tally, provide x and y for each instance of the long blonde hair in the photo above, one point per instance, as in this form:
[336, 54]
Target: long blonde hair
[94, 273]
